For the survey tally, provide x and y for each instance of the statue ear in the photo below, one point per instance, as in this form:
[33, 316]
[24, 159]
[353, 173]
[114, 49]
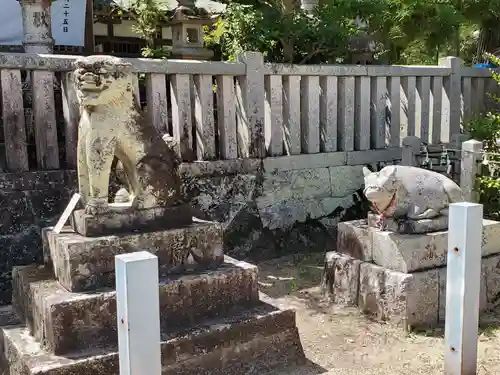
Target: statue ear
[366, 172]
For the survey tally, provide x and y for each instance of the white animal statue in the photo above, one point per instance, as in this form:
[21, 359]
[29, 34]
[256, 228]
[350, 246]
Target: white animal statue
[405, 193]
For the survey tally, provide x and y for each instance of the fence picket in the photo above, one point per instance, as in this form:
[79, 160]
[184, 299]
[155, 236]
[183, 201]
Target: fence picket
[362, 119]
[309, 109]
[273, 127]
[14, 127]
[156, 101]
[204, 117]
[47, 149]
[346, 109]
[226, 117]
[291, 114]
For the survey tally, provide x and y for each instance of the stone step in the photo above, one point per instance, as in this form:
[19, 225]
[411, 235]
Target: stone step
[87, 263]
[254, 342]
[66, 321]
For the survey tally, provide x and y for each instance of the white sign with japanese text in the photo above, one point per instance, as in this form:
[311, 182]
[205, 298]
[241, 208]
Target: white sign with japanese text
[68, 22]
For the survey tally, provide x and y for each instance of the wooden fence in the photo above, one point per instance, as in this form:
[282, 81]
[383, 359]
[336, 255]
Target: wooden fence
[223, 110]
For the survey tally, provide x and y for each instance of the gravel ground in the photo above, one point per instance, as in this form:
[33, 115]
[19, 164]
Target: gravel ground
[338, 340]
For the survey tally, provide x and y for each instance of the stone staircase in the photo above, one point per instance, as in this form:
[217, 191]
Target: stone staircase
[212, 320]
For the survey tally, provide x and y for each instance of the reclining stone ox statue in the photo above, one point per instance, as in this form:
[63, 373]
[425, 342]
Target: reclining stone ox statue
[112, 126]
[410, 199]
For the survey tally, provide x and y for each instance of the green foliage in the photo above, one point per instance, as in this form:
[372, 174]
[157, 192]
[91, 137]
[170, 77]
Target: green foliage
[486, 128]
[405, 31]
[148, 16]
[283, 32]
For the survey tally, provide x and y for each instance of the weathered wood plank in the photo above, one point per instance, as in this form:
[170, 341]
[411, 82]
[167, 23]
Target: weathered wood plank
[14, 126]
[408, 106]
[291, 114]
[479, 95]
[182, 122]
[346, 113]
[379, 132]
[466, 98]
[137, 92]
[395, 110]
[156, 98]
[362, 113]
[436, 108]
[47, 149]
[328, 113]
[250, 94]
[71, 113]
[273, 125]
[422, 107]
[226, 118]
[309, 109]
[204, 117]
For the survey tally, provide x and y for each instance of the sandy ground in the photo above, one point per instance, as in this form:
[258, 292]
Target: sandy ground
[338, 340]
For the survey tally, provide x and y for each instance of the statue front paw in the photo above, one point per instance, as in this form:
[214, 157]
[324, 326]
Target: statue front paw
[96, 207]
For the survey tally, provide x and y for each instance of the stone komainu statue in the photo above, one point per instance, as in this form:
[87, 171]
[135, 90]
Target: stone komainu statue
[112, 126]
[411, 195]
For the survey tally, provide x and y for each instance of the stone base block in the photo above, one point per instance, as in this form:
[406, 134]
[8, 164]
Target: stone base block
[341, 278]
[252, 342]
[406, 252]
[67, 322]
[415, 300]
[131, 220]
[354, 239]
[87, 263]
[408, 226]
[411, 300]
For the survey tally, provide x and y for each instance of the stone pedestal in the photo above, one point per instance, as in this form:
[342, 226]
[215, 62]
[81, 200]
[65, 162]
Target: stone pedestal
[212, 319]
[401, 278]
[37, 26]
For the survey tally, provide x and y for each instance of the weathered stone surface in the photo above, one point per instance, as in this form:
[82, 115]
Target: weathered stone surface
[412, 252]
[407, 226]
[491, 280]
[491, 238]
[286, 213]
[345, 180]
[341, 278]
[66, 322]
[85, 263]
[130, 221]
[405, 299]
[225, 192]
[424, 302]
[294, 184]
[354, 238]
[263, 336]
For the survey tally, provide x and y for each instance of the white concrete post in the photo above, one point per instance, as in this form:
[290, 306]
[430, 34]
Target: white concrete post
[37, 26]
[470, 168]
[463, 278]
[138, 313]
[411, 147]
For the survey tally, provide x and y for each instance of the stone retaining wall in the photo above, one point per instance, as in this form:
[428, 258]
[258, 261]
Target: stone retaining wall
[268, 207]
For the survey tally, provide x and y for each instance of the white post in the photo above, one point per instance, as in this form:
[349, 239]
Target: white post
[462, 288]
[470, 168]
[138, 313]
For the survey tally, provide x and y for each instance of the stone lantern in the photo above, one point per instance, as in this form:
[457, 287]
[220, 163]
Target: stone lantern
[37, 26]
[309, 5]
[187, 31]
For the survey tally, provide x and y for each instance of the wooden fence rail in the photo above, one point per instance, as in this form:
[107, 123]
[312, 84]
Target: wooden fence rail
[245, 109]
